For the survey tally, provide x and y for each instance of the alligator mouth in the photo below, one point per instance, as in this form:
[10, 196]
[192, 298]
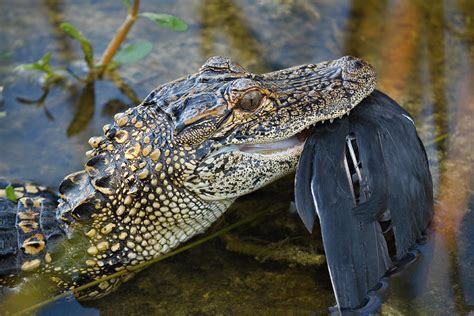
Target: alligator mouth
[292, 145]
[278, 147]
[283, 146]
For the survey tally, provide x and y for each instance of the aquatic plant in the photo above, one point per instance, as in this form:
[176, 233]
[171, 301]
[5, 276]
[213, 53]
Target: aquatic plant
[10, 192]
[115, 55]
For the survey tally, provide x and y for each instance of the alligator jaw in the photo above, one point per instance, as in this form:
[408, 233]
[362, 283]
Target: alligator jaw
[293, 144]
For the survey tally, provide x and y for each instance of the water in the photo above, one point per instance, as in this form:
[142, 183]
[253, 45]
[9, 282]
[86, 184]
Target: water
[424, 55]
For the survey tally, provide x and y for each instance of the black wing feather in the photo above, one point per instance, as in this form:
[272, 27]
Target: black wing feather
[395, 173]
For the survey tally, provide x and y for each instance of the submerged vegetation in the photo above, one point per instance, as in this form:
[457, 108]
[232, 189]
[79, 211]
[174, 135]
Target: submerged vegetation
[245, 221]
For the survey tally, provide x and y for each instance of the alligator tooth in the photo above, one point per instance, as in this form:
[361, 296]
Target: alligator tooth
[322, 122]
[331, 120]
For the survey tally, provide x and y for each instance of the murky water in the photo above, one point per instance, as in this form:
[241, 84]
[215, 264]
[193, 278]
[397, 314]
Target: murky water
[423, 52]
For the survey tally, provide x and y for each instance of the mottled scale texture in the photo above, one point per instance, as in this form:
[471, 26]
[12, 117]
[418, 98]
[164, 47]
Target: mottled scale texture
[168, 168]
[29, 229]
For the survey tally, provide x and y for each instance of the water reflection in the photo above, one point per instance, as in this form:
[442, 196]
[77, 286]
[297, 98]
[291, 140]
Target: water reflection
[223, 25]
[53, 10]
[83, 110]
[39, 102]
[423, 52]
[455, 190]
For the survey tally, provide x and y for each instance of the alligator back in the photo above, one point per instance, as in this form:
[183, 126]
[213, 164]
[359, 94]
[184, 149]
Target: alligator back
[28, 229]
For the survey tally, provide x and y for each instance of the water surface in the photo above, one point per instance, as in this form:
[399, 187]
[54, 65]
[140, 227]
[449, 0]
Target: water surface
[423, 52]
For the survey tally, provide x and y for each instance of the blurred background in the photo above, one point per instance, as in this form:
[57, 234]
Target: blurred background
[423, 52]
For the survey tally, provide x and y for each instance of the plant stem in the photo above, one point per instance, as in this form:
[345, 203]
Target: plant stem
[119, 37]
[279, 252]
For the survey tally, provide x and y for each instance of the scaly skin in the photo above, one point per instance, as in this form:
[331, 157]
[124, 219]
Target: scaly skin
[169, 167]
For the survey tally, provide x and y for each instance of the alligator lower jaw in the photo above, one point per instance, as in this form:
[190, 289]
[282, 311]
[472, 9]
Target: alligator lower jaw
[281, 147]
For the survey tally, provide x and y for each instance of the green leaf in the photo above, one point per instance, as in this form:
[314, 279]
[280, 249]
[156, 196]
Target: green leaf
[167, 21]
[3, 114]
[86, 46]
[133, 52]
[40, 65]
[29, 67]
[126, 3]
[10, 192]
[45, 59]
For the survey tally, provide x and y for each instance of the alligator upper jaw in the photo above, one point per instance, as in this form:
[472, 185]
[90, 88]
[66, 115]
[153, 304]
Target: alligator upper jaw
[292, 145]
[307, 94]
[284, 146]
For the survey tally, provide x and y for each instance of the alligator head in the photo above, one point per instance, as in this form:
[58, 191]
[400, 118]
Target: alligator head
[169, 167]
[249, 129]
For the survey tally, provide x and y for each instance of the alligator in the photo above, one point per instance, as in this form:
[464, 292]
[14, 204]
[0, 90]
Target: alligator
[167, 169]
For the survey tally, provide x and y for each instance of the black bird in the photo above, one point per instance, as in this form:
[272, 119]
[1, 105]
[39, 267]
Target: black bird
[366, 178]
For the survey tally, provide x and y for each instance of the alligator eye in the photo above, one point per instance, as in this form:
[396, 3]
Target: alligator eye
[250, 101]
